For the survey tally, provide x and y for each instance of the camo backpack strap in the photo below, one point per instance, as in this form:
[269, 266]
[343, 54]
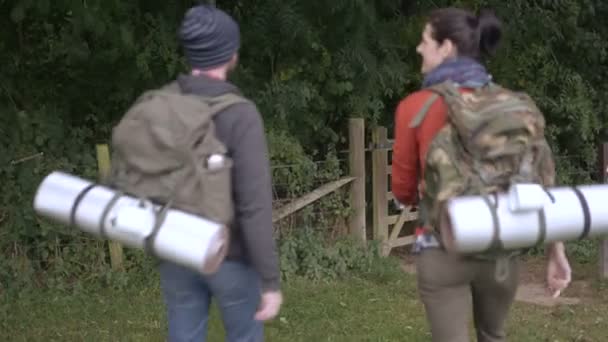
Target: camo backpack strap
[419, 117]
[449, 91]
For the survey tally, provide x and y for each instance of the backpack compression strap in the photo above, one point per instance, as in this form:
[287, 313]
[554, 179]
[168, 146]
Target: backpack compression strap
[447, 88]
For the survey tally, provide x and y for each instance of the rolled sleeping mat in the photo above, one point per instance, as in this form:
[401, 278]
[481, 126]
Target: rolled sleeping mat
[172, 235]
[527, 216]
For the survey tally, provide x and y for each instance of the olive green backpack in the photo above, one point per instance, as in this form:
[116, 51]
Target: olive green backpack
[165, 149]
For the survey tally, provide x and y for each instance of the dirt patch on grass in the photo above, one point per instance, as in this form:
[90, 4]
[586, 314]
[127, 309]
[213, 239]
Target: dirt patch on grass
[585, 284]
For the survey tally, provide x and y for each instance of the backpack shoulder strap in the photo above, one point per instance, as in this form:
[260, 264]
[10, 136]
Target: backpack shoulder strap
[417, 120]
[218, 103]
[444, 90]
[221, 102]
[171, 87]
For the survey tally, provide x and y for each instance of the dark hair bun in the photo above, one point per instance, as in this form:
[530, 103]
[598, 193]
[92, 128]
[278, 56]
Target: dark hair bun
[490, 31]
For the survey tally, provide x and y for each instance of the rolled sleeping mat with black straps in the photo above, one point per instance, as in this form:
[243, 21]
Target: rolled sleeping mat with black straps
[527, 216]
[169, 234]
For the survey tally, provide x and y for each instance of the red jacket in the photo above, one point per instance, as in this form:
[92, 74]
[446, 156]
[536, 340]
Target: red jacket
[411, 144]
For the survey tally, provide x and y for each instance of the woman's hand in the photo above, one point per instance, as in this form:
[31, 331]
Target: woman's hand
[558, 269]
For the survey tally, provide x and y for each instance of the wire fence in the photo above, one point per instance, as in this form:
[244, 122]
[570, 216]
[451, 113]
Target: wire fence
[576, 169]
[292, 181]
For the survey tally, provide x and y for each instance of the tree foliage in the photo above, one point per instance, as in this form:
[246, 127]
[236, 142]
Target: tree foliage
[70, 68]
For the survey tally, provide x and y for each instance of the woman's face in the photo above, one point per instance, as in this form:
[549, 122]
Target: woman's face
[431, 51]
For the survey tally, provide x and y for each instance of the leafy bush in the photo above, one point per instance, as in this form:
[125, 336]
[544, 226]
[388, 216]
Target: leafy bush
[308, 253]
[309, 65]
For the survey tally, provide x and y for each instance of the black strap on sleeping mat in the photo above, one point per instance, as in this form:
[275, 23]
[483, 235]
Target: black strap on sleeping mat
[77, 201]
[586, 212]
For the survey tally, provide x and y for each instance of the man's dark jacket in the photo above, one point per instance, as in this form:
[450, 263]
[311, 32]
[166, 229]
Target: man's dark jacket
[241, 129]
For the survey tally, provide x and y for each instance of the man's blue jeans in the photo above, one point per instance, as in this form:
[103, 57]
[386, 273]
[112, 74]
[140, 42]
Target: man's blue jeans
[236, 289]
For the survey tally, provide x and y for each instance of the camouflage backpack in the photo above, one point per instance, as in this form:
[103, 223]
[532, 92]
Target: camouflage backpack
[165, 149]
[493, 138]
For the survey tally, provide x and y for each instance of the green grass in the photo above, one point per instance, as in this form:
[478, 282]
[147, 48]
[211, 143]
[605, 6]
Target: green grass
[355, 309]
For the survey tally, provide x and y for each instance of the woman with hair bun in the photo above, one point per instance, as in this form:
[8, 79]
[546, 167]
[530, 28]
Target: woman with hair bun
[452, 46]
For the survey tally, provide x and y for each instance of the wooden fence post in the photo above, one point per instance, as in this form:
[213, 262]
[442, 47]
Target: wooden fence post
[103, 167]
[380, 187]
[356, 163]
[603, 255]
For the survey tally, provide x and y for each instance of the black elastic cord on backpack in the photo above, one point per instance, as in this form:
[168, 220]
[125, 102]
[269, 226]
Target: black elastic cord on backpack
[158, 222]
[549, 194]
[542, 227]
[106, 211]
[496, 243]
[79, 197]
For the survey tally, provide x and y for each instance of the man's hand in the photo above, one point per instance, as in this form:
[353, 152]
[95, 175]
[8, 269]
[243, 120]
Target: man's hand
[270, 305]
[558, 269]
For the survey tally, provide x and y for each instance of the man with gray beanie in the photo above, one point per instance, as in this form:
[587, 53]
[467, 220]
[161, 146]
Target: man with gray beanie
[246, 286]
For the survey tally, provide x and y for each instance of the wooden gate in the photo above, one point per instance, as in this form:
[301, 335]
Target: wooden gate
[388, 222]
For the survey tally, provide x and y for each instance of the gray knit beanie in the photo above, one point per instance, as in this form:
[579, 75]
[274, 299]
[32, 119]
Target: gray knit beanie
[208, 36]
